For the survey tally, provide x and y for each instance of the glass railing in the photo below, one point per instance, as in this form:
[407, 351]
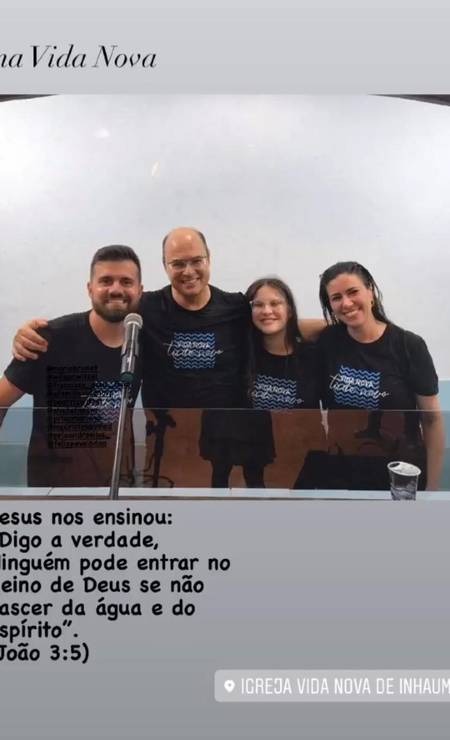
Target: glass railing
[178, 449]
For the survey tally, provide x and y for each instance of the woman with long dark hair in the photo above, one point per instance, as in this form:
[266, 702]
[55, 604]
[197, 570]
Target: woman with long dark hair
[370, 363]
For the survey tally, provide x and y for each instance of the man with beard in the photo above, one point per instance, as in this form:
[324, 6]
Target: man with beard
[75, 383]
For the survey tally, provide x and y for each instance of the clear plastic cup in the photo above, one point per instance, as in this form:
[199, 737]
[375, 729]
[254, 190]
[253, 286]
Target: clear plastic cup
[404, 478]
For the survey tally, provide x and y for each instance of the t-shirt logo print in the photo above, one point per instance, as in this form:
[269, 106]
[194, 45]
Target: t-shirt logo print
[104, 401]
[193, 350]
[270, 393]
[358, 388]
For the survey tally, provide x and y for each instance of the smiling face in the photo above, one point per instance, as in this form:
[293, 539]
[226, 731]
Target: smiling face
[270, 311]
[351, 300]
[186, 260]
[115, 289]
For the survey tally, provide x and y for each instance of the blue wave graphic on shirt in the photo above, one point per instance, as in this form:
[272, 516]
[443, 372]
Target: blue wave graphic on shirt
[103, 401]
[357, 388]
[274, 393]
[193, 350]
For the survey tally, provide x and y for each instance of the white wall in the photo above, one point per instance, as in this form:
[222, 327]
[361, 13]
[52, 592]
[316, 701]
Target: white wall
[279, 184]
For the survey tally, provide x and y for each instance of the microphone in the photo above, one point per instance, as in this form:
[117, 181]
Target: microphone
[130, 348]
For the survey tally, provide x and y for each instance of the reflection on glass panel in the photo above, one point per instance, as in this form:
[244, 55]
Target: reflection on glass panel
[222, 448]
[192, 448]
[63, 447]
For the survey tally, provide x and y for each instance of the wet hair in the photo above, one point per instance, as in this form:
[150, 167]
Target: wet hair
[350, 268]
[116, 253]
[196, 231]
[293, 335]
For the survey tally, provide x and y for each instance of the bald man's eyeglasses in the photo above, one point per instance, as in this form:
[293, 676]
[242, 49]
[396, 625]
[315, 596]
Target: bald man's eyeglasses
[180, 265]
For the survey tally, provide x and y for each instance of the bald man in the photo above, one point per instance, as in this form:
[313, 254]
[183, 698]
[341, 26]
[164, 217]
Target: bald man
[195, 353]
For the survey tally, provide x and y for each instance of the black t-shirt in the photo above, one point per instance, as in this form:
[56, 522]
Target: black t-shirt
[289, 382]
[194, 359]
[370, 390]
[76, 398]
[385, 374]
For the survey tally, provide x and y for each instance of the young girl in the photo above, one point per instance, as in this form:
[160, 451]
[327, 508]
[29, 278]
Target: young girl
[282, 374]
[282, 367]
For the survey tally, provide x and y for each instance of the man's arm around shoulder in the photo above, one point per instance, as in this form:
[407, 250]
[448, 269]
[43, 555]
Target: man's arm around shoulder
[27, 343]
[311, 329]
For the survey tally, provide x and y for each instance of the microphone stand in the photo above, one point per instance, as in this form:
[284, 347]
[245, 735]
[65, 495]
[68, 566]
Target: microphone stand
[163, 420]
[130, 349]
[114, 488]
